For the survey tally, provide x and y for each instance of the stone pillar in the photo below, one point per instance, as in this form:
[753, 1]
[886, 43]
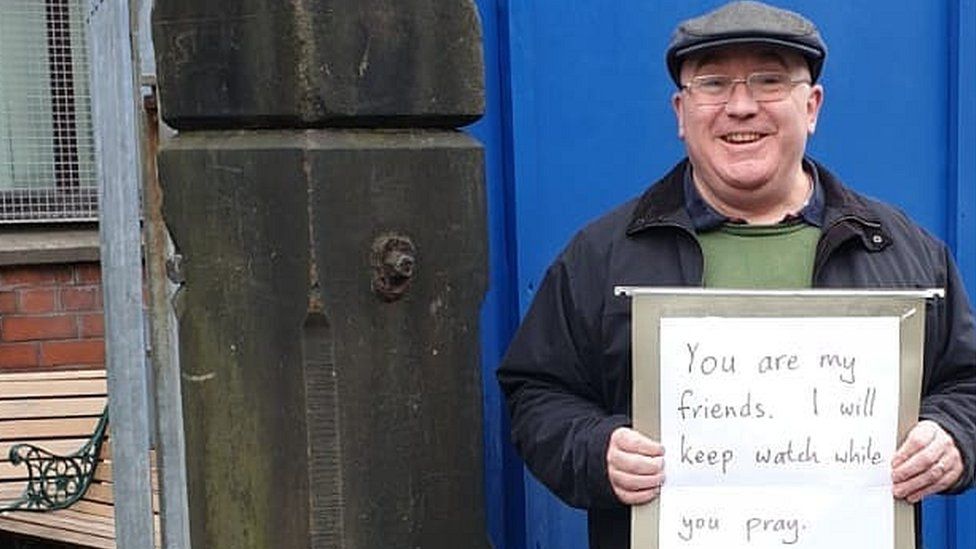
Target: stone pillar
[331, 224]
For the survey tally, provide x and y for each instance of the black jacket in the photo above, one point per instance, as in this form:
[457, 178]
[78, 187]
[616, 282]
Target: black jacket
[566, 375]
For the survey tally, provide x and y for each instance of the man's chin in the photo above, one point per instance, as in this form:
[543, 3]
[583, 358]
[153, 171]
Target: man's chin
[748, 181]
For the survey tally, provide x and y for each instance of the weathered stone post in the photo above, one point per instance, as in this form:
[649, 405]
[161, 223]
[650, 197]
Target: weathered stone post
[331, 224]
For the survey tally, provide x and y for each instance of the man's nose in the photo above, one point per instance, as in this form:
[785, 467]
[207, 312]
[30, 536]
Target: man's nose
[741, 102]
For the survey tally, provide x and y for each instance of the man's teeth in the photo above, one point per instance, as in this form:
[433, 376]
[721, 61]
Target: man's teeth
[745, 137]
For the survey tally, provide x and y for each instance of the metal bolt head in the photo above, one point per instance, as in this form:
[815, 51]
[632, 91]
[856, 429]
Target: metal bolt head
[394, 264]
[402, 263]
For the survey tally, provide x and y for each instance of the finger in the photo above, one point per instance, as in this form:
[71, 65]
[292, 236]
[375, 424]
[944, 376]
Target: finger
[918, 464]
[948, 470]
[635, 442]
[634, 463]
[634, 483]
[638, 498]
[943, 483]
[952, 460]
[920, 436]
[925, 483]
[922, 457]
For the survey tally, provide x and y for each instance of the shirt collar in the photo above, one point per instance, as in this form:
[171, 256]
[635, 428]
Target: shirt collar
[705, 218]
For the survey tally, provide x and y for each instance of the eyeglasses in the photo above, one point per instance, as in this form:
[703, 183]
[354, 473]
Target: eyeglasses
[716, 89]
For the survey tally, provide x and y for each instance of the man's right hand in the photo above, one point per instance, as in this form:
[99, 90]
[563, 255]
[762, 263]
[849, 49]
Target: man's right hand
[635, 465]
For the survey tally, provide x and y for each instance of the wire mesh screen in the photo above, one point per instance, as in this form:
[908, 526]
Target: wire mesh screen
[47, 157]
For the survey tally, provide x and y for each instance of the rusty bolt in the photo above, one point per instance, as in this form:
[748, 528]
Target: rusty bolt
[394, 264]
[402, 263]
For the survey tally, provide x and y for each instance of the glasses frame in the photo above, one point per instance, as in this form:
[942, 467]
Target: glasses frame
[751, 81]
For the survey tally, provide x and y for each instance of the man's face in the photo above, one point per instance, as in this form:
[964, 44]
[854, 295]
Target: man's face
[744, 147]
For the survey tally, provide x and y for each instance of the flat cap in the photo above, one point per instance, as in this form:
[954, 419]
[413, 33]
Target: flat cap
[747, 22]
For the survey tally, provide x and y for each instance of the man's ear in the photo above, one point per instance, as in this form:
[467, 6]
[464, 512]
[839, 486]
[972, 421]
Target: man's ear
[814, 102]
[677, 103]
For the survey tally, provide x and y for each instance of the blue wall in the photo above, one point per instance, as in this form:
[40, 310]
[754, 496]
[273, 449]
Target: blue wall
[579, 120]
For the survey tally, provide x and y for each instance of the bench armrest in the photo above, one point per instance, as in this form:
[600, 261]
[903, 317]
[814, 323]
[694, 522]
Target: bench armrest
[55, 481]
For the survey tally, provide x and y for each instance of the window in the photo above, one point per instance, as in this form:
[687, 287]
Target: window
[47, 159]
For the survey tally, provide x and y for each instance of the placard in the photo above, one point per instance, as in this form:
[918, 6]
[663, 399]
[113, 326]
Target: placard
[779, 412]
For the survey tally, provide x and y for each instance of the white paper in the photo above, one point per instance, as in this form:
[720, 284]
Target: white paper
[778, 431]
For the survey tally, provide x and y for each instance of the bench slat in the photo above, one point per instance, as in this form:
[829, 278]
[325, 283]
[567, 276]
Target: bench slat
[59, 446]
[26, 430]
[12, 473]
[9, 492]
[32, 524]
[95, 508]
[100, 492]
[75, 521]
[51, 408]
[52, 375]
[103, 473]
[61, 388]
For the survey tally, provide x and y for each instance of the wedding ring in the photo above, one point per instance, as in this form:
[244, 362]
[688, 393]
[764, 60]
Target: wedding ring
[941, 468]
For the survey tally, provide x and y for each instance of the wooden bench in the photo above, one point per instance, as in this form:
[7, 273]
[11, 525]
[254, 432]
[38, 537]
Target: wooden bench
[57, 421]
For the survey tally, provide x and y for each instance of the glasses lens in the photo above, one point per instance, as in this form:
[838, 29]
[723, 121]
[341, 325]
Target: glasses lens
[769, 86]
[713, 86]
[710, 89]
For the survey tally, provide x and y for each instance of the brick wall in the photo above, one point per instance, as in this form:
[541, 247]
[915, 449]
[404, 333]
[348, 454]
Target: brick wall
[51, 317]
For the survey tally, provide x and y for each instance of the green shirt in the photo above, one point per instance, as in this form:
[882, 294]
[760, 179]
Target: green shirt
[760, 256]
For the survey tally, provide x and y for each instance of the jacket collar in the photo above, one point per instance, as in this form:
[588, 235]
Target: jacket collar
[841, 202]
[849, 215]
[663, 204]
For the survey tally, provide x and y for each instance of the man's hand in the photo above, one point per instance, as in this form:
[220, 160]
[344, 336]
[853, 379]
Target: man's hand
[635, 465]
[926, 463]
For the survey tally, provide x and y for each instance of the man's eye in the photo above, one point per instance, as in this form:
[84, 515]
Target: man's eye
[769, 79]
[712, 84]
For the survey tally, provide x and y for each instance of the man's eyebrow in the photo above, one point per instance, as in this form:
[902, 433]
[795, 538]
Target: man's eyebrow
[774, 56]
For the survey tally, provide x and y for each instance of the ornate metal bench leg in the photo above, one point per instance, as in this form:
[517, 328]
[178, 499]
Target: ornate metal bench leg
[54, 481]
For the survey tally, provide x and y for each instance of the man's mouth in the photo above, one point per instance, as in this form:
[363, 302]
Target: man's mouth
[740, 138]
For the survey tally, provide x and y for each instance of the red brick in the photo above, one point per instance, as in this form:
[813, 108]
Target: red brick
[13, 355]
[81, 299]
[92, 325]
[32, 328]
[88, 273]
[35, 275]
[86, 351]
[8, 302]
[37, 301]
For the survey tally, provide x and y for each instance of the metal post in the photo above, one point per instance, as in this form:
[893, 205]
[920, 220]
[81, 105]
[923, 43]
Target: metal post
[170, 442]
[117, 141]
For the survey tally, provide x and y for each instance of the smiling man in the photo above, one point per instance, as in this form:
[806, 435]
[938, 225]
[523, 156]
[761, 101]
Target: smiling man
[746, 209]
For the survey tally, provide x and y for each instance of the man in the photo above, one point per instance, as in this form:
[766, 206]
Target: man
[745, 209]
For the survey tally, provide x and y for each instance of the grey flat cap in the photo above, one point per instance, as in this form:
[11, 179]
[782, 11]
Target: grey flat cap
[747, 22]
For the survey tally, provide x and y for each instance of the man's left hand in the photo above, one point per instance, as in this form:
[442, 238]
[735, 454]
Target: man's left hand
[927, 462]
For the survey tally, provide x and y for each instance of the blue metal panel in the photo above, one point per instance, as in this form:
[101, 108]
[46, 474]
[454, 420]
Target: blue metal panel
[590, 124]
[962, 151]
[588, 102]
[961, 518]
[499, 316]
[883, 128]
[935, 532]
